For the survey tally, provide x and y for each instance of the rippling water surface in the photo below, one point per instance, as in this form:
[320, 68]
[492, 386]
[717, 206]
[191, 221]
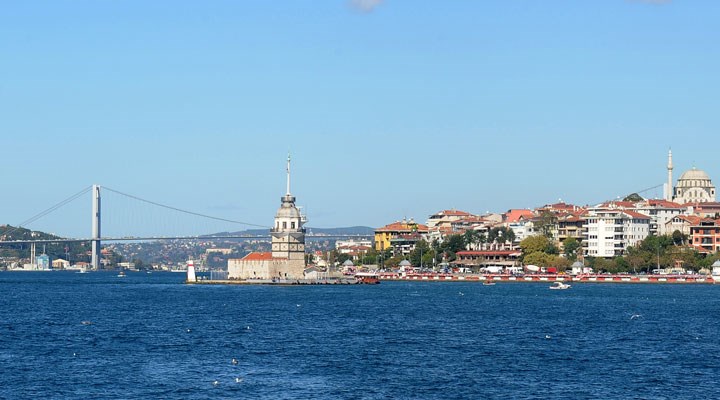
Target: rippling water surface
[67, 335]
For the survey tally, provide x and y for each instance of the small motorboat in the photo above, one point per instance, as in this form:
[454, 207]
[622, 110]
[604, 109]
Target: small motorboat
[559, 286]
[121, 274]
[488, 283]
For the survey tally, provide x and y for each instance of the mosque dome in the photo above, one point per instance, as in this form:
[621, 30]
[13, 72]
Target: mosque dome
[694, 174]
[694, 186]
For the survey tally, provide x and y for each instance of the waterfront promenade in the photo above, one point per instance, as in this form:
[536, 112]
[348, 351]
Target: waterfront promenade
[549, 278]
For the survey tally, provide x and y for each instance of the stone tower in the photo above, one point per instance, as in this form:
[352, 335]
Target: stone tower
[288, 234]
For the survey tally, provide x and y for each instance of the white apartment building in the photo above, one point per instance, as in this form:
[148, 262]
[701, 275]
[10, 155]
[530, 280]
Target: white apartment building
[352, 243]
[660, 213]
[609, 232]
[522, 229]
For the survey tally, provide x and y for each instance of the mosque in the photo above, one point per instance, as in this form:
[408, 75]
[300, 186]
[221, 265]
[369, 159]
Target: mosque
[693, 186]
[286, 261]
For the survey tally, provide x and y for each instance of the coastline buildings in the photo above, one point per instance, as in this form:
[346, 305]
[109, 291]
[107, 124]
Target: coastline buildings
[610, 231]
[286, 261]
[705, 236]
[400, 236]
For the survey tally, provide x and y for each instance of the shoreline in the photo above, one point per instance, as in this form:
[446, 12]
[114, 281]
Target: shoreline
[483, 278]
[549, 278]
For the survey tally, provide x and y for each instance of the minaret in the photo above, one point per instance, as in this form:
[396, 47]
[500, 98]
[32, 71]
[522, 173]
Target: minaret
[669, 189]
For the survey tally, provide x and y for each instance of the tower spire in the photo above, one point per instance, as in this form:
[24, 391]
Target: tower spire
[288, 174]
[669, 191]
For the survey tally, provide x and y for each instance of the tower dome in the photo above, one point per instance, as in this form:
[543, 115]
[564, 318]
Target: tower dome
[287, 208]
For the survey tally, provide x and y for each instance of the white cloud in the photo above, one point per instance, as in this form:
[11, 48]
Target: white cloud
[651, 1]
[365, 5]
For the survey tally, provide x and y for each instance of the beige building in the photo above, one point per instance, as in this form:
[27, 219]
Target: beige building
[693, 186]
[287, 259]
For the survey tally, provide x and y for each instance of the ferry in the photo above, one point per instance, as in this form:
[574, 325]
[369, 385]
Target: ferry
[368, 278]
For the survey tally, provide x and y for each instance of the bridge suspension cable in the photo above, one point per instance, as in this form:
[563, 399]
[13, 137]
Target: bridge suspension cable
[49, 210]
[650, 188]
[184, 211]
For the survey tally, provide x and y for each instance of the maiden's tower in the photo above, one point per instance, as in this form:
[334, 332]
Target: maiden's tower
[286, 261]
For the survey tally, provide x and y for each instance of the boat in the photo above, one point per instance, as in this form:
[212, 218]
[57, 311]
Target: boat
[486, 283]
[559, 286]
[121, 274]
[368, 278]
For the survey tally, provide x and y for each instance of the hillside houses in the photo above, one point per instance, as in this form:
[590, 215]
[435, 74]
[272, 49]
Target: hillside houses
[605, 230]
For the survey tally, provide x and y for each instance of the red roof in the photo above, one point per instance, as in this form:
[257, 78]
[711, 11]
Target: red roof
[402, 227]
[636, 214]
[691, 219]
[560, 207]
[258, 256]
[453, 212]
[664, 203]
[518, 214]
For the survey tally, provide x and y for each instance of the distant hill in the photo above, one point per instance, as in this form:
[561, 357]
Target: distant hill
[350, 231]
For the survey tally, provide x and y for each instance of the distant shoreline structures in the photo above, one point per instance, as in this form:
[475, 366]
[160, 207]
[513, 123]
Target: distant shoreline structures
[549, 278]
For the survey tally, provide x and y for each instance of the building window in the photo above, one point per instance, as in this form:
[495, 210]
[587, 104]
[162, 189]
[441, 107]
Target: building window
[292, 225]
[284, 225]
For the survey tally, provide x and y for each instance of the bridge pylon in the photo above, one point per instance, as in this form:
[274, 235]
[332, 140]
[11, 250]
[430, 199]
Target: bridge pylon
[95, 227]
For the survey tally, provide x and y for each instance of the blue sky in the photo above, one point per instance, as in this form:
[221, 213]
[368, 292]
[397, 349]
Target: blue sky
[389, 108]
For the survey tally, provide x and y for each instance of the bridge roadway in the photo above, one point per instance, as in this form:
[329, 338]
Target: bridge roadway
[132, 238]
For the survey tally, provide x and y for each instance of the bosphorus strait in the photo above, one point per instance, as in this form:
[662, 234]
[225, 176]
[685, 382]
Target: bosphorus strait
[68, 335]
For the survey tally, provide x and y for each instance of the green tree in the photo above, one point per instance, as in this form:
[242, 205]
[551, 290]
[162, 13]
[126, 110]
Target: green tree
[393, 262]
[679, 238]
[534, 244]
[537, 258]
[342, 257]
[507, 235]
[546, 223]
[634, 197]
[561, 263]
[453, 243]
[501, 235]
[621, 265]
[370, 257]
[419, 253]
[481, 240]
[470, 237]
[570, 248]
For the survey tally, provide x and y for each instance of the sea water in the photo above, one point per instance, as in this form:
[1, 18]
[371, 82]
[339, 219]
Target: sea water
[67, 335]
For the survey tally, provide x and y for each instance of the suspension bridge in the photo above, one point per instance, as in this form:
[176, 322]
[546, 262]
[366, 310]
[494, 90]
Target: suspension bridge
[214, 227]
